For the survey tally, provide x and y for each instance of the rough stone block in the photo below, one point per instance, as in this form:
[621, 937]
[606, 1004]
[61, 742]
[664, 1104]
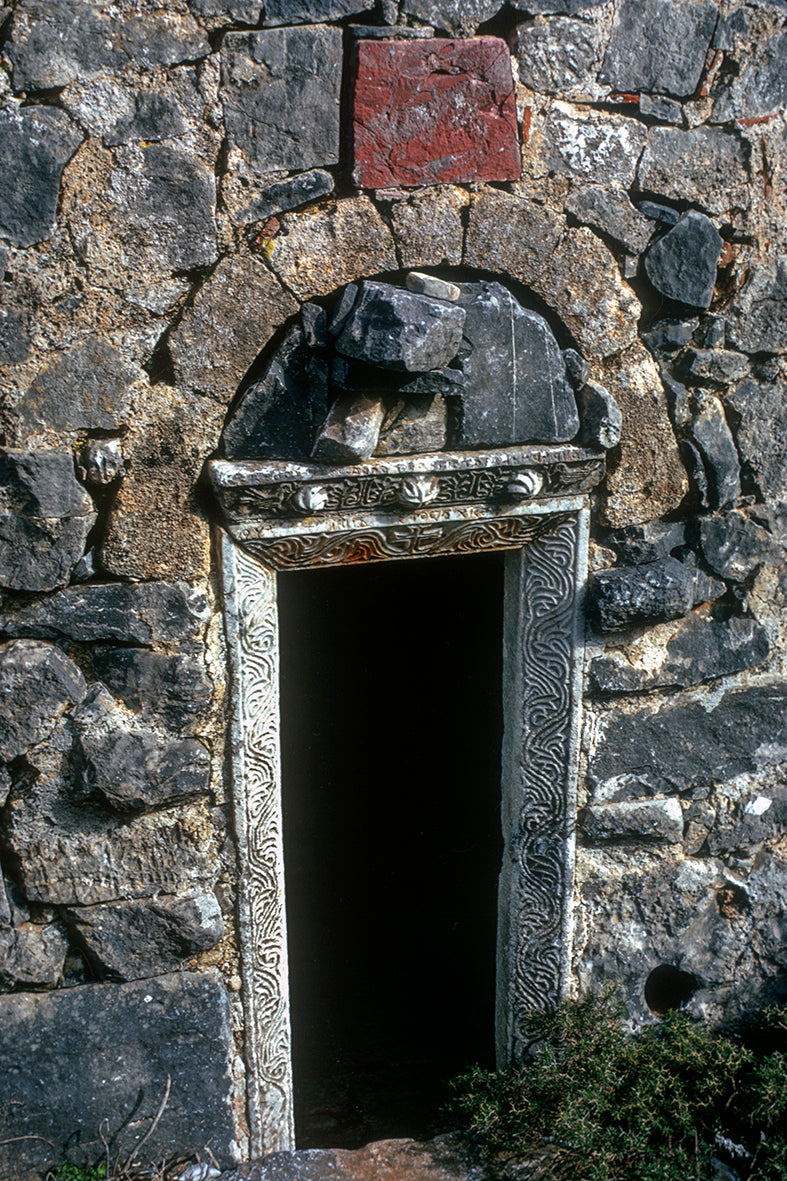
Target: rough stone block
[85, 388]
[459, 18]
[757, 317]
[31, 956]
[132, 940]
[429, 228]
[577, 368]
[635, 544]
[432, 111]
[35, 145]
[592, 148]
[656, 590]
[280, 90]
[510, 235]
[600, 417]
[634, 822]
[399, 330]
[148, 613]
[612, 213]
[683, 263]
[712, 435]
[516, 389]
[285, 194]
[704, 165]
[139, 769]
[156, 115]
[559, 56]
[305, 12]
[416, 425]
[37, 683]
[421, 284]
[758, 87]
[759, 424]
[659, 45]
[668, 337]
[735, 546]
[105, 1051]
[715, 367]
[351, 430]
[172, 689]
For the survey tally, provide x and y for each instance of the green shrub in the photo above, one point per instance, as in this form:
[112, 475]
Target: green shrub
[652, 1107]
[66, 1172]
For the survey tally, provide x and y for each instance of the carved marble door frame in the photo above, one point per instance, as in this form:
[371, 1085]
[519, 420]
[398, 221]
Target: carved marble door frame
[545, 534]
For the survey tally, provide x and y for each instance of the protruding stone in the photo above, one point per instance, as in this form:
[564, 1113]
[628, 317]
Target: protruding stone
[577, 368]
[85, 388]
[600, 417]
[35, 145]
[398, 330]
[172, 689]
[138, 769]
[659, 45]
[31, 956]
[285, 194]
[713, 437]
[280, 89]
[351, 430]
[715, 367]
[704, 165]
[415, 425]
[635, 544]
[735, 546]
[634, 821]
[656, 590]
[516, 389]
[422, 284]
[613, 213]
[677, 400]
[101, 462]
[427, 112]
[659, 107]
[37, 683]
[682, 264]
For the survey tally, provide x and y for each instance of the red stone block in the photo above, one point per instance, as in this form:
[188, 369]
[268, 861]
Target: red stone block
[428, 112]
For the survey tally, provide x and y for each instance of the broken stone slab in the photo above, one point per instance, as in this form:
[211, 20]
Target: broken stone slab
[285, 194]
[707, 588]
[758, 415]
[308, 12]
[698, 476]
[658, 107]
[173, 689]
[85, 388]
[421, 284]
[37, 683]
[613, 213]
[715, 367]
[631, 594]
[559, 56]
[748, 822]
[105, 1051]
[683, 263]
[516, 389]
[677, 655]
[636, 544]
[351, 430]
[668, 337]
[659, 45]
[633, 821]
[416, 425]
[757, 316]
[144, 613]
[734, 546]
[677, 400]
[280, 92]
[399, 330]
[711, 331]
[664, 214]
[577, 368]
[134, 770]
[712, 435]
[758, 86]
[36, 143]
[600, 416]
[434, 111]
[703, 165]
[32, 956]
[132, 940]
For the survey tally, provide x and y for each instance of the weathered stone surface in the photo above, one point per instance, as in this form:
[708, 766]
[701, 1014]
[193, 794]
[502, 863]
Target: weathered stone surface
[668, 337]
[559, 56]
[655, 590]
[593, 148]
[35, 145]
[515, 383]
[704, 165]
[747, 820]
[5, 787]
[31, 955]
[421, 284]
[434, 111]
[659, 45]
[676, 655]
[600, 416]
[633, 821]
[459, 18]
[131, 940]
[635, 544]
[510, 235]
[399, 330]
[429, 228]
[446, 1158]
[285, 194]
[280, 90]
[139, 769]
[276, 417]
[713, 437]
[319, 251]
[248, 12]
[172, 689]
[148, 613]
[15, 329]
[658, 107]
[304, 12]
[233, 316]
[759, 86]
[90, 41]
[682, 264]
[759, 423]
[613, 214]
[757, 317]
[350, 432]
[37, 683]
[105, 1051]
[156, 116]
[734, 546]
[718, 367]
[416, 425]
[577, 368]
[45, 517]
[86, 387]
[649, 480]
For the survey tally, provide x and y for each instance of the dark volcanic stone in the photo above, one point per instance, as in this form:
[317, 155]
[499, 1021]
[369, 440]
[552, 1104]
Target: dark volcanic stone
[713, 437]
[15, 336]
[656, 590]
[45, 518]
[306, 12]
[85, 388]
[677, 399]
[734, 546]
[647, 543]
[415, 425]
[31, 955]
[559, 56]
[37, 682]
[173, 689]
[156, 116]
[759, 86]
[460, 18]
[35, 145]
[105, 1051]
[659, 45]
[684, 745]
[399, 330]
[601, 417]
[351, 430]
[613, 214]
[516, 388]
[144, 613]
[280, 90]
[704, 166]
[682, 264]
[287, 194]
[277, 416]
[658, 107]
[661, 213]
[132, 940]
[436, 111]
[247, 12]
[137, 770]
[577, 368]
[700, 648]
[758, 315]
[719, 367]
[668, 337]
[759, 423]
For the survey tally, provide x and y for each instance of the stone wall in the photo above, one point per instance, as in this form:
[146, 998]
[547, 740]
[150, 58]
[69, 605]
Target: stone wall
[177, 184]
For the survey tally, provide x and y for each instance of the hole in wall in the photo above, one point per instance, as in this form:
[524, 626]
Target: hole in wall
[391, 731]
[668, 988]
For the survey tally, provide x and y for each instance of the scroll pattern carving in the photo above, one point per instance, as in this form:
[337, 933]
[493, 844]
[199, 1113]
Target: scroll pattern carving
[422, 540]
[261, 889]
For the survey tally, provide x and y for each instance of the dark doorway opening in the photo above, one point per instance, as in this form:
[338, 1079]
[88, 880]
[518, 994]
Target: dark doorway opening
[391, 724]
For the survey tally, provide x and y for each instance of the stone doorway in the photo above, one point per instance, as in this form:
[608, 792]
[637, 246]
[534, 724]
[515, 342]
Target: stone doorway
[391, 724]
